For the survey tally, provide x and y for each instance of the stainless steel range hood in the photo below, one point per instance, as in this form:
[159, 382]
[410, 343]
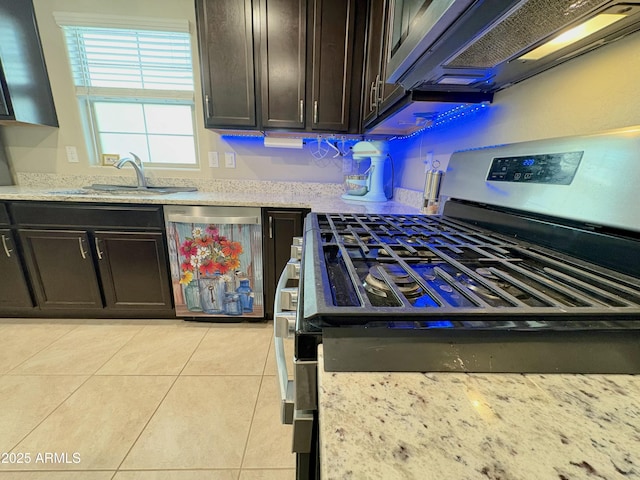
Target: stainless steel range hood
[492, 44]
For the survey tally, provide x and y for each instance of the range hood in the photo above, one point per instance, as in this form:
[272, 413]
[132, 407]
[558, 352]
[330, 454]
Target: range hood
[491, 44]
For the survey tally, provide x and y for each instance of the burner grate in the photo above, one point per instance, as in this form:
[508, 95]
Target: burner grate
[451, 271]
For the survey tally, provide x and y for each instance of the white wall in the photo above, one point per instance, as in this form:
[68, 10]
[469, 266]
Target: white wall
[597, 91]
[42, 149]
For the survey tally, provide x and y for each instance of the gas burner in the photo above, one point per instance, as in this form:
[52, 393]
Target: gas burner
[351, 239]
[374, 282]
[422, 253]
[486, 273]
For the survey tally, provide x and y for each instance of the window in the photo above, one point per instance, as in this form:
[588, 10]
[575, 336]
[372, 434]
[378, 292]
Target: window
[135, 90]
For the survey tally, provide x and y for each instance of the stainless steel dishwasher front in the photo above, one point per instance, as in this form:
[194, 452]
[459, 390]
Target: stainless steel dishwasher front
[216, 261]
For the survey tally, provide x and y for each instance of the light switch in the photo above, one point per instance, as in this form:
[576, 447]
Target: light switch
[72, 154]
[213, 160]
[230, 159]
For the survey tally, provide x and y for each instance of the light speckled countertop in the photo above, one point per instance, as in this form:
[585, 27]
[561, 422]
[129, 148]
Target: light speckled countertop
[317, 203]
[456, 426]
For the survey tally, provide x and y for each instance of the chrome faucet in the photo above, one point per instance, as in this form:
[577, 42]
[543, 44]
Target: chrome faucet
[136, 163]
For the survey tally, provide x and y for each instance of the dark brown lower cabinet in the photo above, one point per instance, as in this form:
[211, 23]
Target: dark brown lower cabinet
[133, 270]
[61, 267]
[14, 291]
[88, 260]
[280, 227]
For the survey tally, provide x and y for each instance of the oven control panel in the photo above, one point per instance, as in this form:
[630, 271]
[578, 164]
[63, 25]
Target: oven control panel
[549, 168]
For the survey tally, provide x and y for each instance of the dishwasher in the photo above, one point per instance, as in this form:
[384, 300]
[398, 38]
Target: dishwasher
[215, 255]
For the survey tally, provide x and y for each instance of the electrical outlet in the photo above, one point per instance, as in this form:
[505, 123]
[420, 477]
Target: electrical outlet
[229, 159]
[72, 154]
[213, 160]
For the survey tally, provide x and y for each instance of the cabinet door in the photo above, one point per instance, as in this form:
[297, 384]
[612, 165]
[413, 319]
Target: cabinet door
[28, 97]
[282, 226]
[332, 51]
[373, 60]
[283, 29]
[61, 268]
[133, 270]
[225, 30]
[14, 291]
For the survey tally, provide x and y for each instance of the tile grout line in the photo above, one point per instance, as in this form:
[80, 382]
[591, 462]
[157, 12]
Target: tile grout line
[42, 350]
[118, 350]
[255, 407]
[89, 377]
[62, 401]
[160, 403]
[54, 410]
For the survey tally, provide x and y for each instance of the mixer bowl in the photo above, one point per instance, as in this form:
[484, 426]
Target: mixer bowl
[356, 184]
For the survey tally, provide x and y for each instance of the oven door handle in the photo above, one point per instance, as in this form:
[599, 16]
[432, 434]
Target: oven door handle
[281, 329]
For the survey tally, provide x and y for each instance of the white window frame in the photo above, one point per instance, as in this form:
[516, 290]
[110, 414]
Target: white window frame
[87, 95]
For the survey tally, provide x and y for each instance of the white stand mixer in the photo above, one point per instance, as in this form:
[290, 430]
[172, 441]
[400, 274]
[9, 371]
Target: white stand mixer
[377, 152]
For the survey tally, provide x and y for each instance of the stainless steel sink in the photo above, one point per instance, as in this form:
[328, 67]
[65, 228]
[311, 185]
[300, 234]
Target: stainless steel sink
[134, 190]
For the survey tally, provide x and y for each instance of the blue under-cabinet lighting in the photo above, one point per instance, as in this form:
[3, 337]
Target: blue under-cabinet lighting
[449, 117]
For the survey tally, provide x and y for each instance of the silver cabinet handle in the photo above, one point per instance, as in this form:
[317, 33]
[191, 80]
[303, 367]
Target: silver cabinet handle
[207, 108]
[301, 111]
[373, 95]
[380, 90]
[6, 248]
[82, 252]
[315, 111]
[96, 241]
[270, 226]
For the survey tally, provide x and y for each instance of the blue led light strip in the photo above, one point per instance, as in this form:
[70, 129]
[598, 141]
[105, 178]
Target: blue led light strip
[448, 117]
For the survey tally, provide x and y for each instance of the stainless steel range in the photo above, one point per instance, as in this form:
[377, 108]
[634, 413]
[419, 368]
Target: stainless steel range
[534, 266]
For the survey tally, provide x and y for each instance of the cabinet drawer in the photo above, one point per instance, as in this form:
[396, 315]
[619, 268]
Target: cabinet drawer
[87, 215]
[4, 215]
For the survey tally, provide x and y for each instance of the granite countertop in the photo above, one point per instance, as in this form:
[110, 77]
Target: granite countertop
[295, 199]
[456, 426]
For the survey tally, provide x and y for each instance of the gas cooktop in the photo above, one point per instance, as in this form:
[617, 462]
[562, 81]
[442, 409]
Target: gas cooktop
[435, 268]
[406, 292]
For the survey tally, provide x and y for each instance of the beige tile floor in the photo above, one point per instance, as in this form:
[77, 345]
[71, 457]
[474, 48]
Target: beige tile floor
[140, 400]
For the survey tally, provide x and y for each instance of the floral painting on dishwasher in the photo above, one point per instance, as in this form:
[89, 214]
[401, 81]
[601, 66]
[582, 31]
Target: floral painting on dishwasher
[216, 269]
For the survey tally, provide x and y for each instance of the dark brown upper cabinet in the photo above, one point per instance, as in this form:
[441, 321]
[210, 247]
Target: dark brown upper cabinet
[378, 96]
[306, 65]
[25, 92]
[225, 38]
[331, 62]
[283, 60]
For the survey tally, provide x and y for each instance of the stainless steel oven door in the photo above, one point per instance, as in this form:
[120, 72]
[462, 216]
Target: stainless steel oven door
[298, 398]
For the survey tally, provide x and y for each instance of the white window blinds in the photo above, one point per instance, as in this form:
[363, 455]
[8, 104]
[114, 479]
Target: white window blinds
[144, 60]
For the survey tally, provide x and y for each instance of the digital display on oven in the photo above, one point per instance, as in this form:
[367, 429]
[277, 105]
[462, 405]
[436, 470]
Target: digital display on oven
[549, 168]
